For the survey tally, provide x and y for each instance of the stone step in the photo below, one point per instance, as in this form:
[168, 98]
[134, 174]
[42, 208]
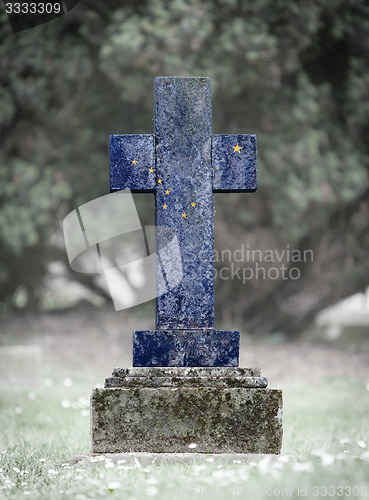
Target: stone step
[174, 371]
[190, 381]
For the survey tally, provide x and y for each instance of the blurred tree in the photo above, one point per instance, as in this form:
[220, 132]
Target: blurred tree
[296, 74]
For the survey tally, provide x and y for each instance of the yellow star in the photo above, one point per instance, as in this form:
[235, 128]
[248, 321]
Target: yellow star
[159, 181]
[151, 170]
[184, 215]
[165, 206]
[167, 191]
[134, 162]
[193, 204]
[237, 148]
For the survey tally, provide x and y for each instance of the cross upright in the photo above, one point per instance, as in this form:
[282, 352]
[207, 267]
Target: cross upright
[183, 163]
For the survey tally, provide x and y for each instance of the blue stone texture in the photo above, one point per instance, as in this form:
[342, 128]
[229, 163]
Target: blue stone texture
[183, 128]
[185, 348]
[187, 164]
[234, 170]
[131, 158]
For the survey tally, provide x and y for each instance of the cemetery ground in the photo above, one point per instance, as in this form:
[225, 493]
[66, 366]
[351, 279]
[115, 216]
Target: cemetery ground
[43, 426]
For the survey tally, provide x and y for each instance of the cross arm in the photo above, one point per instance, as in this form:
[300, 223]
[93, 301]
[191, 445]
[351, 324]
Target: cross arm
[132, 162]
[234, 163]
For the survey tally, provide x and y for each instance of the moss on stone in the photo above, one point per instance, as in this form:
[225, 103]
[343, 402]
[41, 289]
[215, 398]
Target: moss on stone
[168, 420]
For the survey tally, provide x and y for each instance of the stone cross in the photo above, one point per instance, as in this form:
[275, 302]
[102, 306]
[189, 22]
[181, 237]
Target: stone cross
[182, 163]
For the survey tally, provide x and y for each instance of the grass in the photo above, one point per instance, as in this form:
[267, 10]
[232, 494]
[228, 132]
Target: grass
[325, 451]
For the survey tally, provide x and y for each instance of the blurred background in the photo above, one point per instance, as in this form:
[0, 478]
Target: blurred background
[294, 73]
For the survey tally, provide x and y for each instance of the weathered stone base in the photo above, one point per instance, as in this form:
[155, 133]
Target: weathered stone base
[223, 412]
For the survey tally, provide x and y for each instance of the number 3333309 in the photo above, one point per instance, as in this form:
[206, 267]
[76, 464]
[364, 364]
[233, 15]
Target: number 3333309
[33, 8]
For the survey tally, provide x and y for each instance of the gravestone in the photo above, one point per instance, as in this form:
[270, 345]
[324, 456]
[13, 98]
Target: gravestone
[185, 386]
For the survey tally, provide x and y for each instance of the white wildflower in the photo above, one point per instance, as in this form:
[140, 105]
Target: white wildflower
[199, 467]
[264, 464]
[152, 491]
[327, 460]
[361, 444]
[114, 485]
[318, 453]
[275, 473]
[84, 402]
[243, 474]
[223, 473]
[67, 382]
[303, 467]
[192, 446]
[340, 456]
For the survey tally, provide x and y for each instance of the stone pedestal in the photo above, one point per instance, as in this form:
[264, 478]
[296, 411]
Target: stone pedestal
[166, 409]
[195, 347]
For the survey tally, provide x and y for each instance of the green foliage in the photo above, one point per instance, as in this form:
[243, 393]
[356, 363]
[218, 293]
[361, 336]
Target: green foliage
[259, 54]
[313, 167]
[31, 198]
